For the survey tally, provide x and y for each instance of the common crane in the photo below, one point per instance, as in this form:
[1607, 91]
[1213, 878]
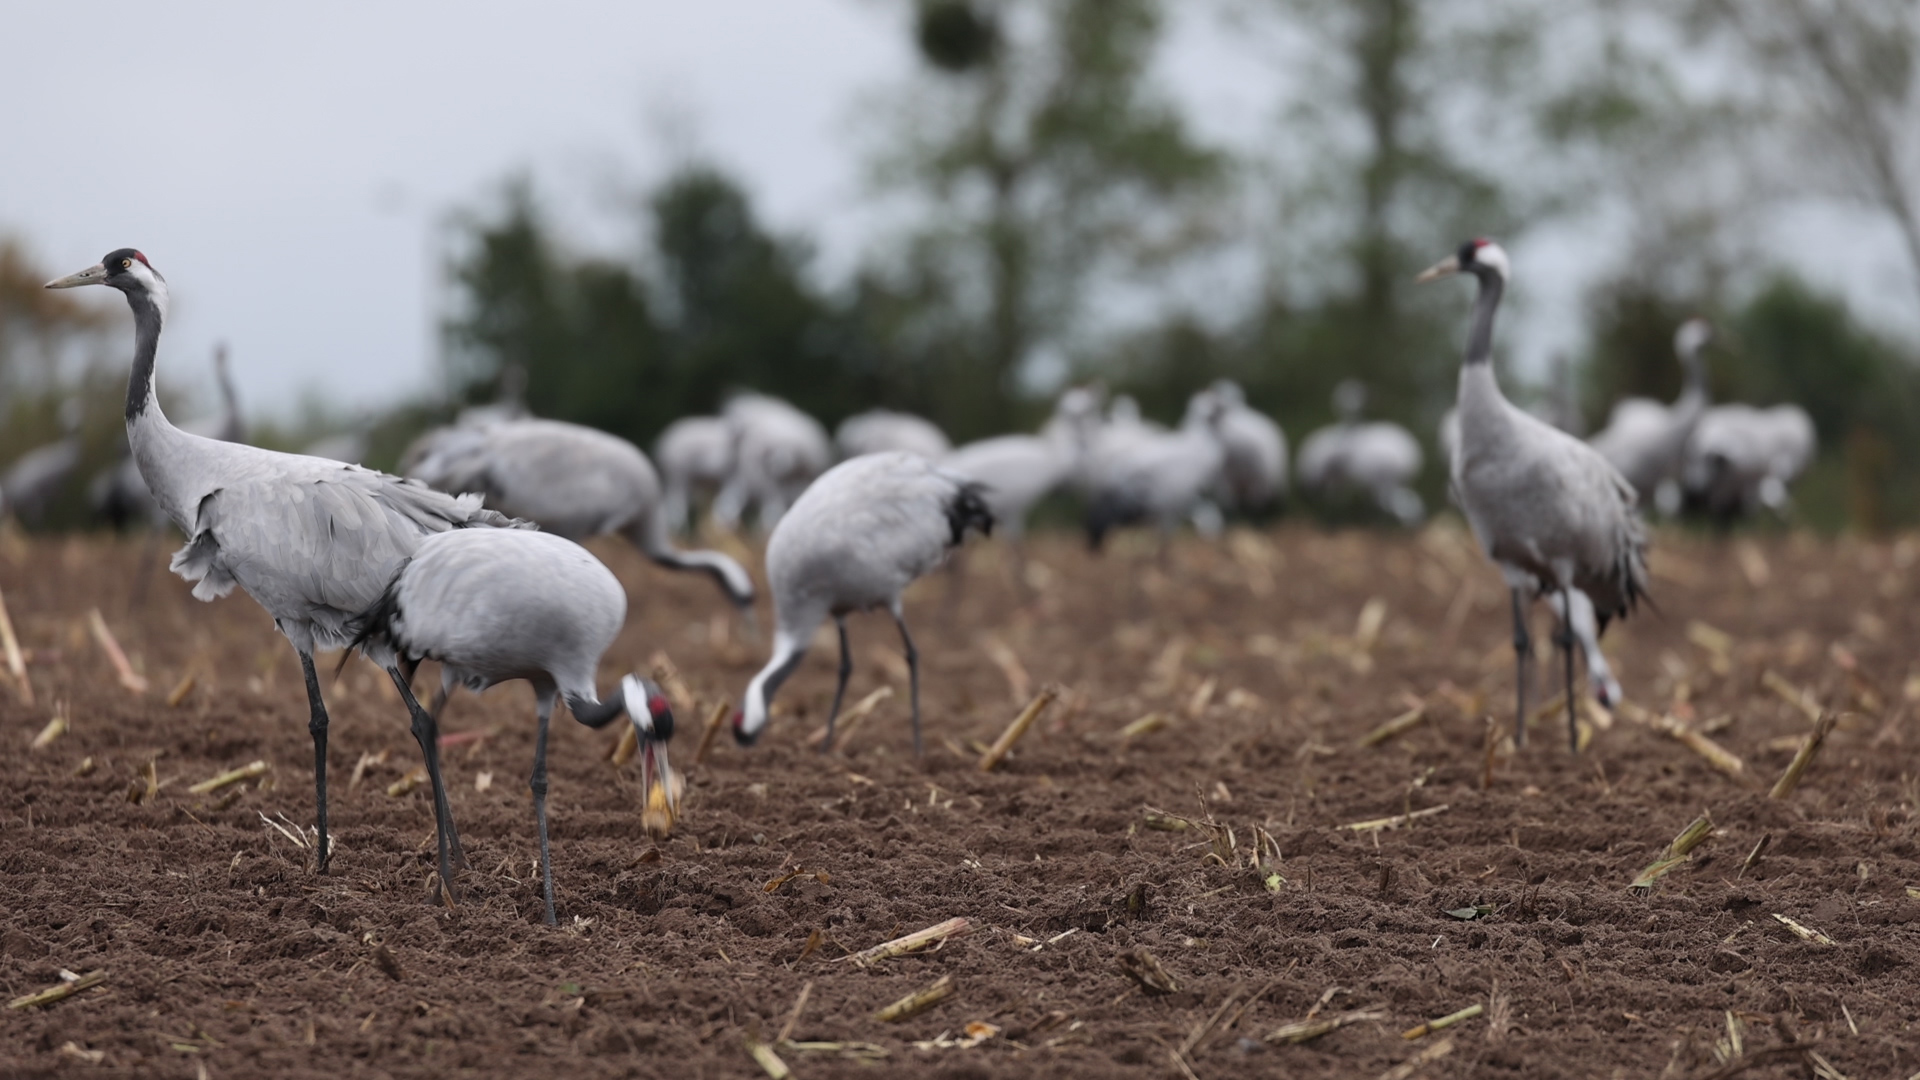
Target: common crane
[854, 541]
[573, 481]
[877, 430]
[314, 542]
[1550, 512]
[493, 605]
[1378, 458]
[777, 451]
[1646, 440]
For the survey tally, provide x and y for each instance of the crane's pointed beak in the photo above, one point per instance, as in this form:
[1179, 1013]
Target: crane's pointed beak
[661, 794]
[92, 275]
[1446, 267]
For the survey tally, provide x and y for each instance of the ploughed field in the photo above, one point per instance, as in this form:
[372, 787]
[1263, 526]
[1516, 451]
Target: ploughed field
[1160, 877]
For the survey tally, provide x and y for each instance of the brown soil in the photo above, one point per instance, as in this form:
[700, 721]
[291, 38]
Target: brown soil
[224, 952]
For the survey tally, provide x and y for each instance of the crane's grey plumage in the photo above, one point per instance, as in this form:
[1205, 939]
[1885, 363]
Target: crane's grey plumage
[777, 451]
[574, 481]
[695, 454]
[1161, 476]
[1742, 458]
[1378, 458]
[314, 542]
[36, 478]
[1546, 507]
[878, 430]
[1646, 440]
[1255, 471]
[1014, 473]
[854, 541]
[492, 605]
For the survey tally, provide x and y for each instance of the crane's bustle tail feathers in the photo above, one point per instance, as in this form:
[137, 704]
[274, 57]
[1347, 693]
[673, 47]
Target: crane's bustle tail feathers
[968, 508]
[1111, 509]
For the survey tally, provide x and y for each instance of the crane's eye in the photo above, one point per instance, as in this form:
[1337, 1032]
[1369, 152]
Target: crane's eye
[126, 264]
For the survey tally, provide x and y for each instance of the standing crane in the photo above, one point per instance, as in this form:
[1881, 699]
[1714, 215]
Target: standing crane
[777, 451]
[1742, 458]
[854, 541]
[876, 430]
[1255, 471]
[1647, 441]
[1162, 476]
[314, 542]
[696, 457]
[492, 605]
[1379, 458]
[573, 481]
[1550, 512]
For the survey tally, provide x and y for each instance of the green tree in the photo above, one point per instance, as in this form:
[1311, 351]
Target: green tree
[1043, 163]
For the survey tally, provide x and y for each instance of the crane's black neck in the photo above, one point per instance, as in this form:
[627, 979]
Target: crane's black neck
[147, 320]
[598, 714]
[1480, 338]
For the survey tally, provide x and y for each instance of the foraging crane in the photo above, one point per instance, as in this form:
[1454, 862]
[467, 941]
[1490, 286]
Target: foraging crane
[876, 430]
[1255, 471]
[777, 451]
[696, 457]
[1162, 475]
[575, 482]
[314, 542]
[118, 493]
[493, 605]
[36, 478]
[854, 541]
[1647, 441]
[1742, 458]
[1550, 512]
[1378, 458]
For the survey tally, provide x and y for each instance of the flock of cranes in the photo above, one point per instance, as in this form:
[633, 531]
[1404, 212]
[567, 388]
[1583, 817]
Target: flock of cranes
[471, 559]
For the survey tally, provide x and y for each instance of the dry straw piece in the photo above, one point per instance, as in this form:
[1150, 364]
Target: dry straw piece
[1406, 1069]
[1004, 744]
[1677, 852]
[1396, 820]
[231, 776]
[1301, 1031]
[917, 1002]
[1804, 932]
[905, 944]
[1791, 694]
[1808, 749]
[850, 719]
[715, 721]
[55, 728]
[129, 678]
[16, 660]
[768, 1061]
[1421, 1031]
[1395, 727]
[60, 992]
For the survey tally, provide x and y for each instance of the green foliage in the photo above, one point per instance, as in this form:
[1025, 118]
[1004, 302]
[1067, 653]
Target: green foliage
[727, 306]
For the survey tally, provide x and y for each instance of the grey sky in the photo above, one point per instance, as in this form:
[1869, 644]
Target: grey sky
[287, 168]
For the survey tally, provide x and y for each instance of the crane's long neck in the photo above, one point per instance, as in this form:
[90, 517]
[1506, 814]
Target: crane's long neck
[1694, 390]
[149, 316]
[1480, 338]
[650, 536]
[232, 428]
[788, 650]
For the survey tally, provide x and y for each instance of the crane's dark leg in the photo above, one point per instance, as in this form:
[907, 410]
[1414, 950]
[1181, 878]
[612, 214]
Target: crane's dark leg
[426, 732]
[1566, 643]
[317, 726]
[435, 709]
[539, 786]
[839, 690]
[1523, 665]
[913, 674]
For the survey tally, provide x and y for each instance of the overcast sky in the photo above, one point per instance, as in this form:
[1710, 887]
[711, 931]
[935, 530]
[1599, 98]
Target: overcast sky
[290, 168]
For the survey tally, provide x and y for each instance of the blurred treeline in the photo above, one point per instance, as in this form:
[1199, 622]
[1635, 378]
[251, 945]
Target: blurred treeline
[1058, 215]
